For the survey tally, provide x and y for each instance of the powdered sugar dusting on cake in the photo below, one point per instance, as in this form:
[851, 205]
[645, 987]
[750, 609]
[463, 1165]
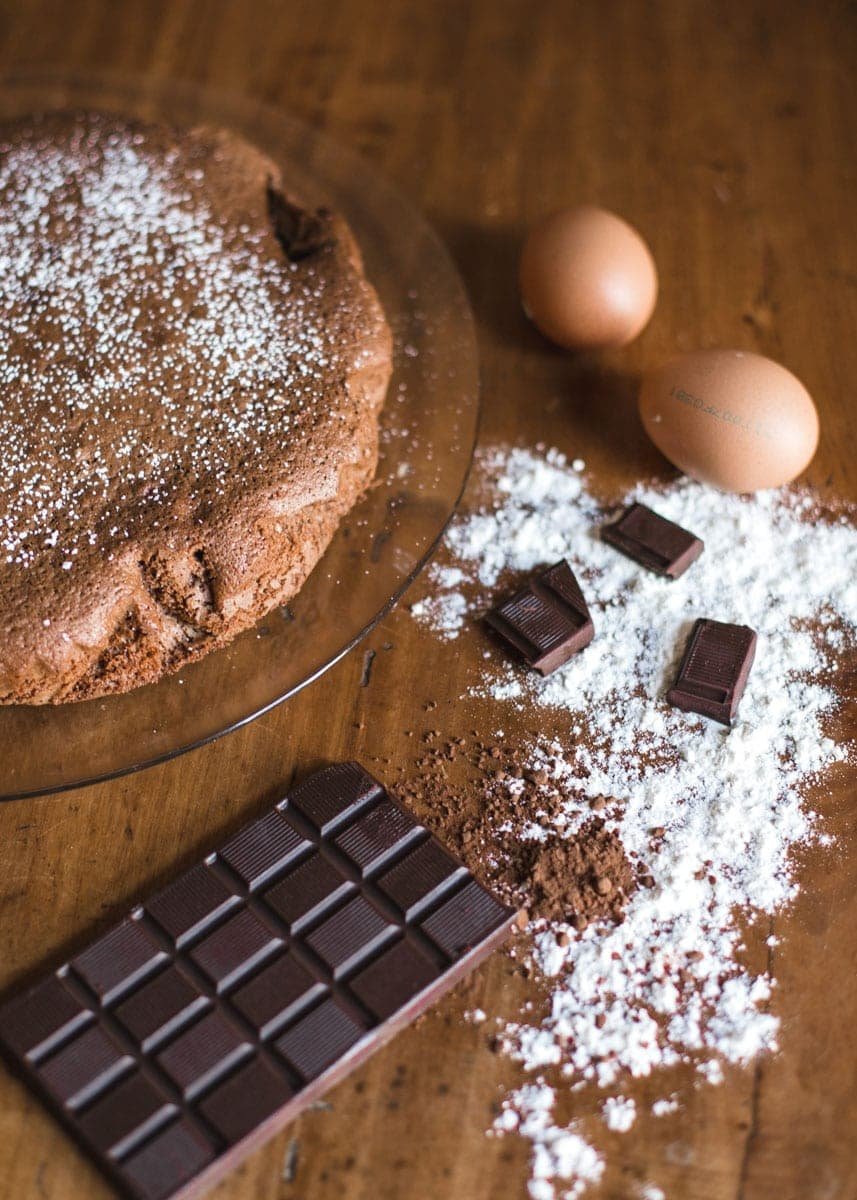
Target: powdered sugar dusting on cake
[145, 343]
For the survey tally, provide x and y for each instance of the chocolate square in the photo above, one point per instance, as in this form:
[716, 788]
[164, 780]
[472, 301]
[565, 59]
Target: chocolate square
[330, 798]
[420, 878]
[714, 670]
[192, 903]
[118, 960]
[391, 981]
[350, 935]
[234, 949]
[377, 835]
[82, 1066]
[203, 1052]
[33, 1023]
[316, 1041]
[547, 621]
[125, 1115]
[463, 920]
[277, 994]
[263, 848]
[236, 1107]
[160, 1007]
[167, 1162]
[653, 541]
[307, 892]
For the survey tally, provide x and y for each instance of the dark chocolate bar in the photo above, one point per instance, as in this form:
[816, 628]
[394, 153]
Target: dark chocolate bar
[714, 670]
[547, 621]
[653, 541]
[217, 1011]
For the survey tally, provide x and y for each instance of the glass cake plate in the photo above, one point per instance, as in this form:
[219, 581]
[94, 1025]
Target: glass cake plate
[429, 429]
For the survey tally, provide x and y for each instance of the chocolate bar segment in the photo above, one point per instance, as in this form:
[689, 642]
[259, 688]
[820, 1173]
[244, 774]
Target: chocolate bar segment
[330, 798]
[307, 892]
[253, 982]
[245, 1100]
[171, 1159]
[42, 1018]
[262, 849]
[202, 1053]
[118, 960]
[126, 1115]
[547, 621]
[714, 670]
[420, 878]
[653, 541]
[234, 949]
[83, 1067]
[160, 1008]
[193, 902]
[276, 994]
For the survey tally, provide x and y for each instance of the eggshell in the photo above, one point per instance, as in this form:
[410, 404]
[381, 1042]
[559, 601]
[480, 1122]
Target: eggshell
[730, 418]
[587, 279]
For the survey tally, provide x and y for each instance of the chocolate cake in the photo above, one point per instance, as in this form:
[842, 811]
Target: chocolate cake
[192, 366]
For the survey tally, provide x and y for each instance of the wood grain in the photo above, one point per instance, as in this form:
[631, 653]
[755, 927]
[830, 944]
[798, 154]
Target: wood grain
[728, 133]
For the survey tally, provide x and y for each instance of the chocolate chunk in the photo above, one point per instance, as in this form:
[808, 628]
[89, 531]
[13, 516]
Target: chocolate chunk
[714, 670]
[653, 541]
[547, 621]
[198, 1023]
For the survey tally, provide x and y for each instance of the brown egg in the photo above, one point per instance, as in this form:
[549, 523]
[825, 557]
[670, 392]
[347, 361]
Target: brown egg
[588, 280]
[730, 418]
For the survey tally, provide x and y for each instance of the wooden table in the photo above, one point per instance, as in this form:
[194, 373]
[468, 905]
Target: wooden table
[728, 133]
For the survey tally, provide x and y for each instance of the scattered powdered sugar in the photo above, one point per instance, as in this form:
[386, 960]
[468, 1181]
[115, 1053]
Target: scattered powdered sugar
[620, 1113]
[559, 1154]
[714, 814]
[447, 611]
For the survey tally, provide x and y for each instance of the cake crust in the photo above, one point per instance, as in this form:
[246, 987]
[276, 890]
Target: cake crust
[191, 373]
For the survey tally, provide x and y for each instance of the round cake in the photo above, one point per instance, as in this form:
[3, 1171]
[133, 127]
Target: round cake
[192, 366]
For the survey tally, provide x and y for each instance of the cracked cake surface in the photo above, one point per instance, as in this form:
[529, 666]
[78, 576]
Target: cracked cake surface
[192, 367]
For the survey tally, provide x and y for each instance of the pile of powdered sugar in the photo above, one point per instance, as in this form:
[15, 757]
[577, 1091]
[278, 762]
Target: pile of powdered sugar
[713, 813]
